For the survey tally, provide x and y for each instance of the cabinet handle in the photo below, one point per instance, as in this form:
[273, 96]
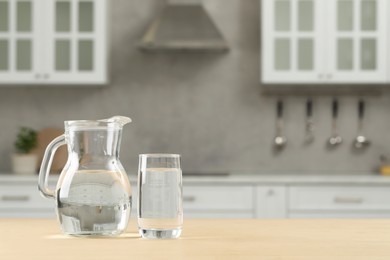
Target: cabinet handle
[189, 198]
[320, 76]
[15, 198]
[46, 76]
[37, 76]
[355, 200]
[270, 193]
[329, 76]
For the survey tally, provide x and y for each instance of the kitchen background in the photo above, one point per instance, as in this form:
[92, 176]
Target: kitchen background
[209, 107]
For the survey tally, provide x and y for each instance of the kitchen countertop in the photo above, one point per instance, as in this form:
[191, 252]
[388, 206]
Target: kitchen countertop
[206, 239]
[247, 178]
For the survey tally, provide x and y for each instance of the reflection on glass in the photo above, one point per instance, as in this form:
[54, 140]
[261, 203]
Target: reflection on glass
[345, 54]
[368, 15]
[63, 16]
[63, 54]
[85, 55]
[305, 15]
[305, 54]
[86, 16]
[3, 16]
[368, 54]
[345, 15]
[23, 55]
[282, 54]
[4, 54]
[282, 15]
[24, 14]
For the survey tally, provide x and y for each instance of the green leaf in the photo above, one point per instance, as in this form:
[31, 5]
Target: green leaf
[26, 140]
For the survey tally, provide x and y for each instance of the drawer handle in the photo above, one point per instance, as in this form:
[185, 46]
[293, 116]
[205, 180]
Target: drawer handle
[348, 200]
[15, 198]
[189, 199]
[271, 193]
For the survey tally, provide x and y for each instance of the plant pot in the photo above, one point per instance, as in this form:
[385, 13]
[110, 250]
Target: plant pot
[24, 164]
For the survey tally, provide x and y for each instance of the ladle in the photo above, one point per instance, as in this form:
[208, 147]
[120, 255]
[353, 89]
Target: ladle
[280, 140]
[335, 139]
[361, 141]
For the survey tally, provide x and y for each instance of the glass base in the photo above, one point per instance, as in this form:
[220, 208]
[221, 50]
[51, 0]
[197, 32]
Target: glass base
[94, 234]
[160, 233]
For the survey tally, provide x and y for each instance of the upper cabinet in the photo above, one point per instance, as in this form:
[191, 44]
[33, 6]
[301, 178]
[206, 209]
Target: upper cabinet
[317, 41]
[53, 42]
[292, 40]
[357, 41]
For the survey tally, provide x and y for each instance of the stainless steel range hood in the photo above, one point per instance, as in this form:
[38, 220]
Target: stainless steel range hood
[183, 25]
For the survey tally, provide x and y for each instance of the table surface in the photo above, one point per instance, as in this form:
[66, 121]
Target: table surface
[206, 239]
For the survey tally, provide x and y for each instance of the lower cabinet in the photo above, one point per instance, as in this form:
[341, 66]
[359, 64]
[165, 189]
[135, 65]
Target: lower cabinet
[24, 201]
[233, 200]
[339, 201]
[271, 202]
[322, 201]
[218, 201]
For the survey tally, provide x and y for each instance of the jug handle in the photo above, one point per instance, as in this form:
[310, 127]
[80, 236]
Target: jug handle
[46, 164]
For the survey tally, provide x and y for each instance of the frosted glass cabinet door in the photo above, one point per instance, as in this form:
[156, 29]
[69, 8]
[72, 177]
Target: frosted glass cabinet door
[357, 41]
[292, 41]
[76, 42]
[19, 41]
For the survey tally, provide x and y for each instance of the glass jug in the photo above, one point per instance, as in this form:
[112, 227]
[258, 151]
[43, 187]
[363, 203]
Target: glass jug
[93, 193]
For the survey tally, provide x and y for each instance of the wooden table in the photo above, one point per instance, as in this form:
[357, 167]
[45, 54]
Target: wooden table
[206, 239]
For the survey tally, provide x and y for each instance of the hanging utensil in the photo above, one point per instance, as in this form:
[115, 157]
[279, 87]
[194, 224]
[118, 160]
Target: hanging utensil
[280, 140]
[361, 141]
[309, 129]
[335, 139]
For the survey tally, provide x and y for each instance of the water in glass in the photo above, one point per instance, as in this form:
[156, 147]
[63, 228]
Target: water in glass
[160, 213]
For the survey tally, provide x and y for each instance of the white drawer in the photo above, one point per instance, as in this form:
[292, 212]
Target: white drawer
[23, 197]
[190, 214]
[216, 198]
[27, 213]
[339, 198]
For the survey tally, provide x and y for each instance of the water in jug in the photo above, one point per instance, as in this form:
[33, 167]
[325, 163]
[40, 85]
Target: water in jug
[93, 193]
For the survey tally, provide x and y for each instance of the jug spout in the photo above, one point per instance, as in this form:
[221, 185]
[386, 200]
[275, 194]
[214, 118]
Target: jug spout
[121, 120]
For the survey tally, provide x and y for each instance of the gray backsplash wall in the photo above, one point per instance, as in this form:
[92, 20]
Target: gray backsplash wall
[207, 107]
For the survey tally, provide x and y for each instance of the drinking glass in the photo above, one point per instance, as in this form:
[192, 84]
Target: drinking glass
[160, 209]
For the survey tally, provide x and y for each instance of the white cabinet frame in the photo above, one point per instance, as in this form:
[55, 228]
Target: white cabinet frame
[358, 75]
[325, 33]
[269, 35]
[43, 37]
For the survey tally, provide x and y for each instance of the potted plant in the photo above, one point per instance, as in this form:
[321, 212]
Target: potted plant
[24, 161]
